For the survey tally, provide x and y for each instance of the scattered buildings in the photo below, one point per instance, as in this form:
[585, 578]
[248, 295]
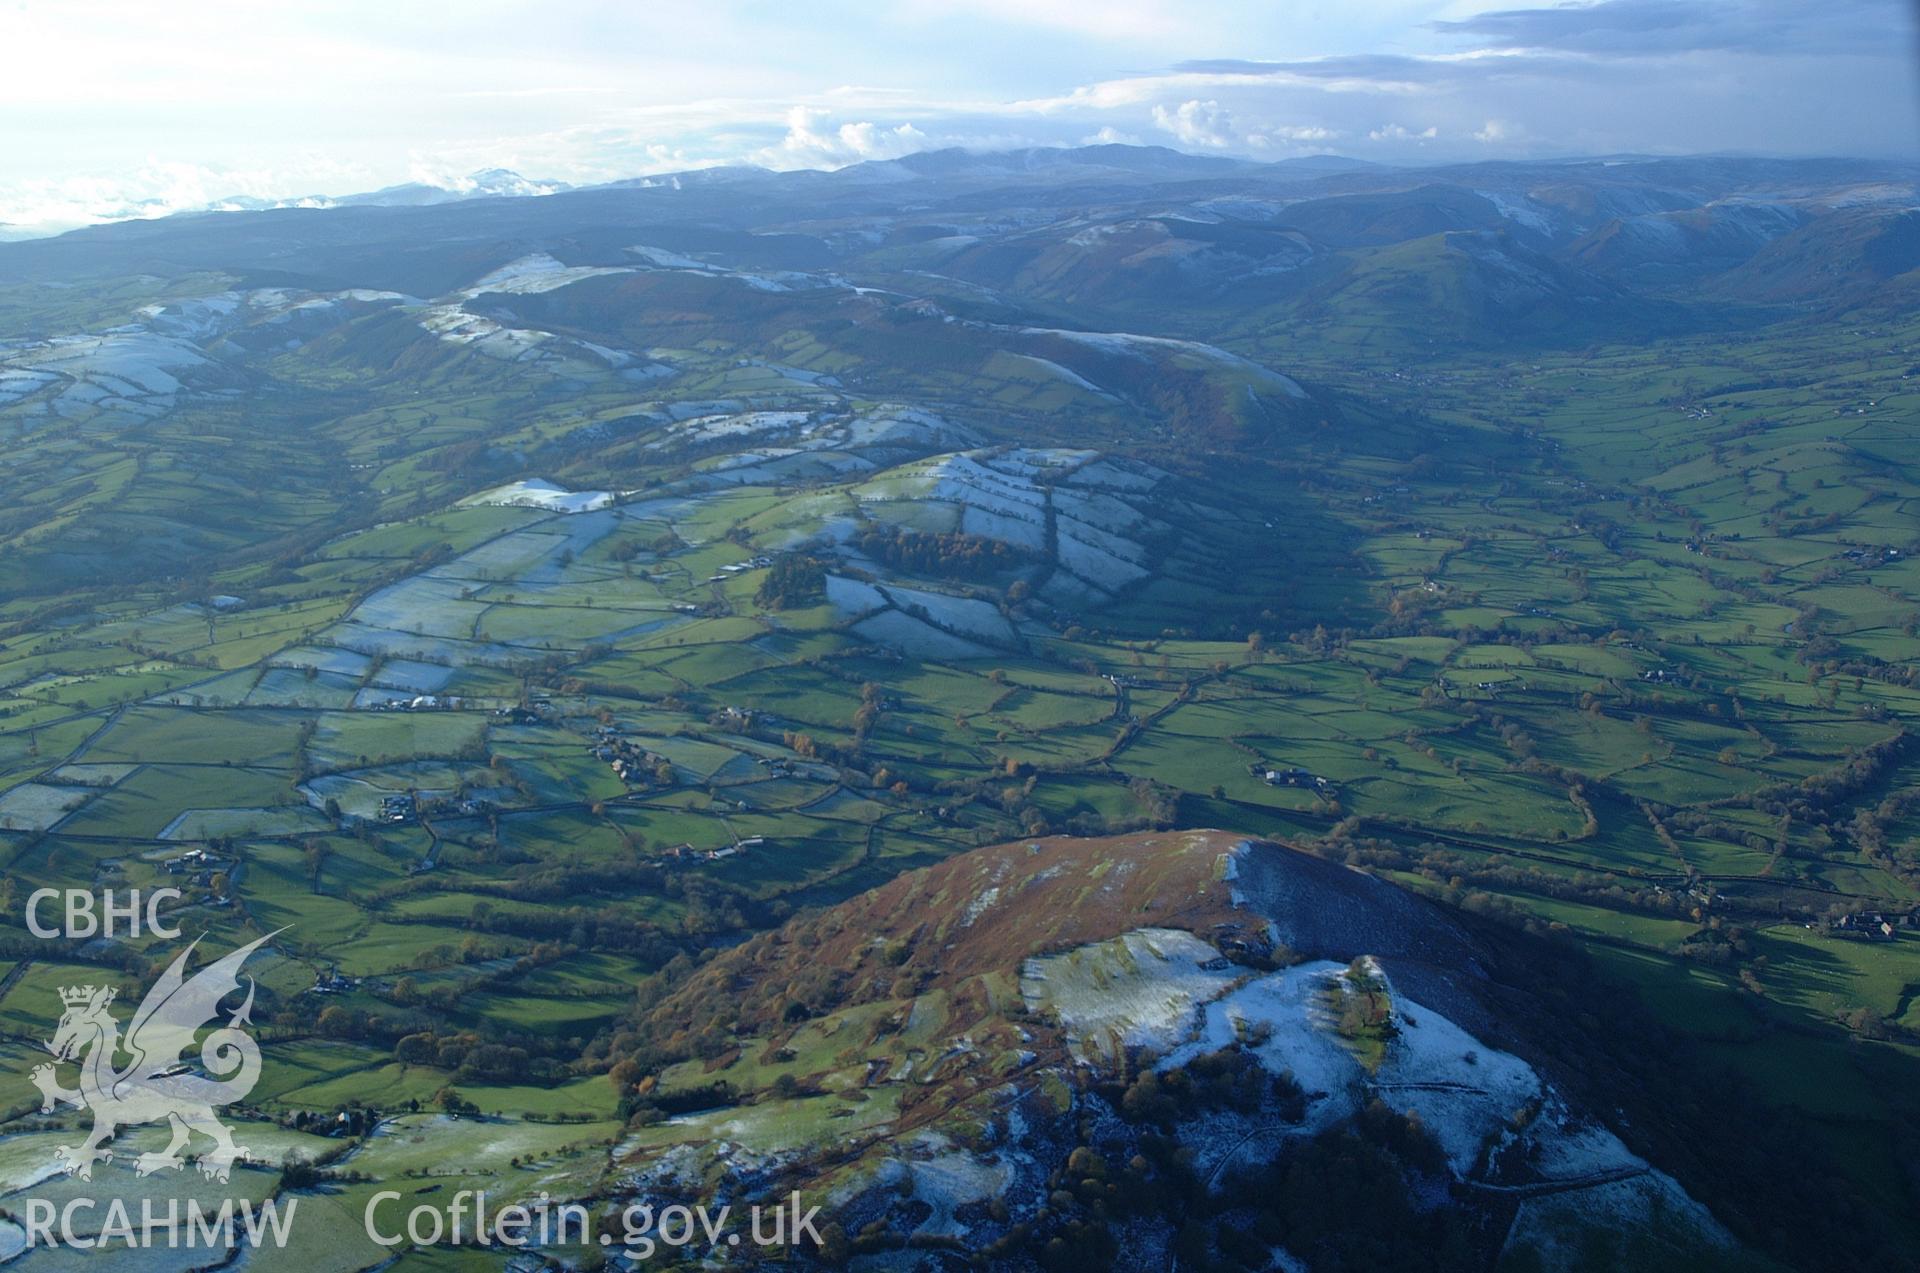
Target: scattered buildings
[1294, 777]
[420, 703]
[198, 866]
[1863, 925]
[630, 762]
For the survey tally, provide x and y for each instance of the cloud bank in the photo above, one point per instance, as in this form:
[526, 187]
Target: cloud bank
[127, 110]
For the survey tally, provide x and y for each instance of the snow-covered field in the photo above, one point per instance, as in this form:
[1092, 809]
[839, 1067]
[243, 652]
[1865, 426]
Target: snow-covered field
[34, 806]
[292, 687]
[963, 615]
[428, 649]
[1095, 560]
[325, 658]
[1099, 509]
[127, 374]
[853, 597]
[413, 676]
[421, 606]
[535, 492]
[917, 621]
[127, 361]
[204, 824]
[918, 640]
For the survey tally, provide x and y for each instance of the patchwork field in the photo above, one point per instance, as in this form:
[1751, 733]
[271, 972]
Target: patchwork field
[509, 648]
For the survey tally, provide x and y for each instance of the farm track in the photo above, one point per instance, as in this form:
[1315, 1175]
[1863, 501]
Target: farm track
[1547, 1188]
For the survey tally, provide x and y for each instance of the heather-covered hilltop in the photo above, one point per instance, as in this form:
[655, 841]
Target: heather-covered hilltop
[1158, 1049]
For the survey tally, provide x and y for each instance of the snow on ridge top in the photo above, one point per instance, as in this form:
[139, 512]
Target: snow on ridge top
[1463, 1090]
[536, 272]
[1067, 374]
[131, 360]
[1171, 993]
[1131, 343]
[664, 259]
[536, 492]
[1519, 209]
[201, 317]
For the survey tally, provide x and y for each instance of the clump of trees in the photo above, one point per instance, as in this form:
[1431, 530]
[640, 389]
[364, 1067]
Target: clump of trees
[953, 555]
[794, 580]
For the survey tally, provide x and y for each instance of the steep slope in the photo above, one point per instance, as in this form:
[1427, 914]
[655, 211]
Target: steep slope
[1091, 383]
[1853, 256]
[1123, 1052]
[1671, 246]
[1475, 288]
[1130, 262]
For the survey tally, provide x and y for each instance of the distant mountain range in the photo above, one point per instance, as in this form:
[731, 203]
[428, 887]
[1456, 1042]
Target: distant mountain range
[1140, 236]
[488, 183]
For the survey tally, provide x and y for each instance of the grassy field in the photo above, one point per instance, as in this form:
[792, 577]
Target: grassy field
[1619, 644]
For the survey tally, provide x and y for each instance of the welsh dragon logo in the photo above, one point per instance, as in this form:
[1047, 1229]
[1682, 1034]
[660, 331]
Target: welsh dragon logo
[158, 1083]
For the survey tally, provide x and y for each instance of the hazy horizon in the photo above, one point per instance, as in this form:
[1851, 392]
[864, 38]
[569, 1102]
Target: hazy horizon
[119, 111]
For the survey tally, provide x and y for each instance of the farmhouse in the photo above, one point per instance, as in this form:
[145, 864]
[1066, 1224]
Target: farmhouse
[194, 861]
[1293, 777]
[1864, 925]
[630, 763]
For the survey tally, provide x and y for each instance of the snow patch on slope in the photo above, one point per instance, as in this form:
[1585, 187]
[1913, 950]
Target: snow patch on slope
[537, 272]
[1139, 990]
[535, 492]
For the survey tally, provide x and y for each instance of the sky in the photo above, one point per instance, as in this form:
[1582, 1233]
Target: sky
[117, 108]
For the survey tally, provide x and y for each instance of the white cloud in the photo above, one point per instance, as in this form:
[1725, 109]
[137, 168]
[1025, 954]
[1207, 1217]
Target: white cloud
[1197, 123]
[1306, 134]
[1401, 133]
[161, 188]
[140, 109]
[1211, 126]
[808, 144]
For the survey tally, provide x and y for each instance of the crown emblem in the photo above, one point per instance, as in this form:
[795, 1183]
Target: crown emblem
[81, 996]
